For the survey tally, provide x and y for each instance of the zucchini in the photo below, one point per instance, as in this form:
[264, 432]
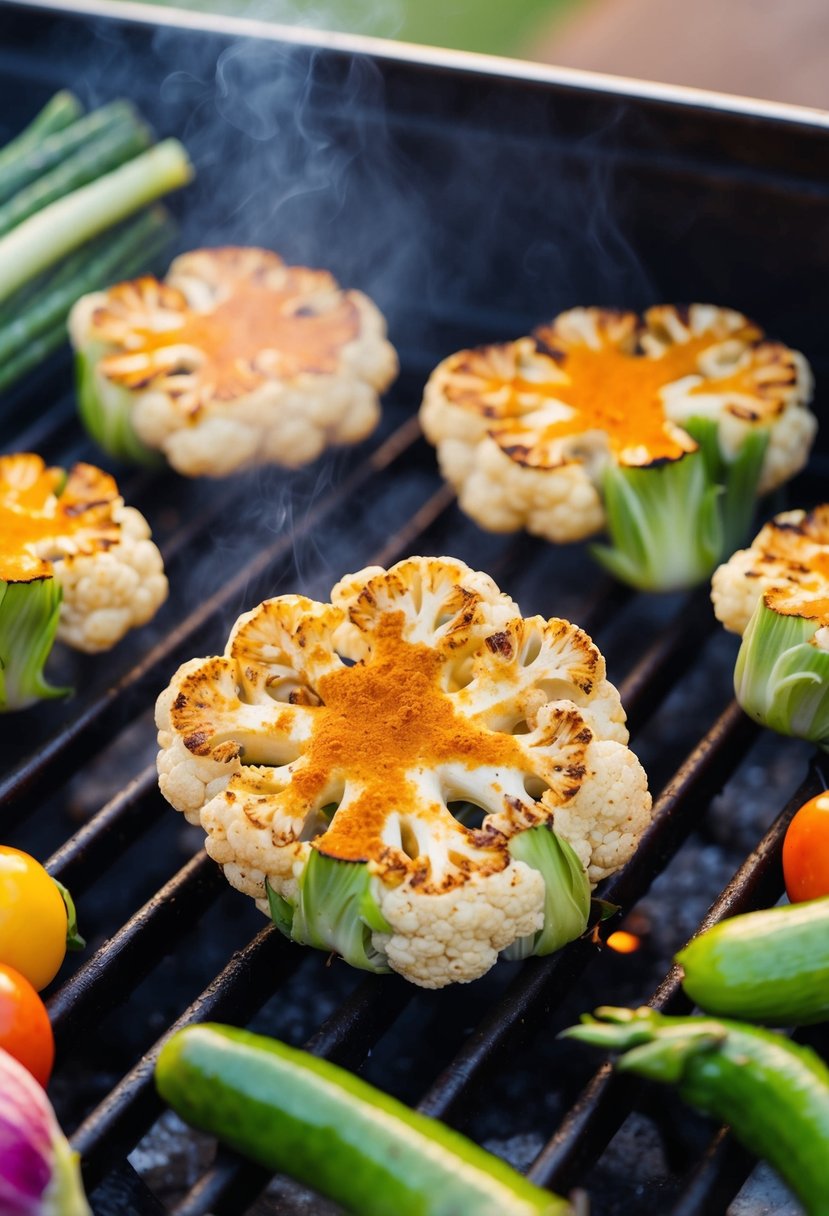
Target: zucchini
[770, 966]
[292, 1112]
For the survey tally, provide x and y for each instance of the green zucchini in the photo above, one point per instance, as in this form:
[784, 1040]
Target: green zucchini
[773, 1093]
[295, 1113]
[770, 966]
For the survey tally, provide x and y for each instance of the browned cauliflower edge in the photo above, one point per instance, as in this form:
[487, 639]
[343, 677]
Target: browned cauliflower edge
[412, 775]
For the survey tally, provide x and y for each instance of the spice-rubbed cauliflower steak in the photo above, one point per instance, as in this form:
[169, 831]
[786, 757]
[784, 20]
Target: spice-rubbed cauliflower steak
[661, 430]
[75, 564]
[235, 359]
[412, 775]
[776, 594]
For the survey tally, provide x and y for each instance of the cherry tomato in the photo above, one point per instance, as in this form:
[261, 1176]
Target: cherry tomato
[806, 851]
[25, 1029]
[32, 918]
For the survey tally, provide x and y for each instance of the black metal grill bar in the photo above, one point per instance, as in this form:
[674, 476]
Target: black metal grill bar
[530, 997]
[135, 949]
[716, 1179]
[118, 824]
[96, 724]
[601, 1108]
[251, 976]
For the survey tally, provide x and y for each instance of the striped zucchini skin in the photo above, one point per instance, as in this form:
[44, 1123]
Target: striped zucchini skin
[304, 1116]
[770, 966]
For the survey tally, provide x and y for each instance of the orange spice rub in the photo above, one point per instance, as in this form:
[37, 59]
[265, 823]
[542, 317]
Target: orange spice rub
[31, 514]
[231, 338]
[793, 600]
[380, 719]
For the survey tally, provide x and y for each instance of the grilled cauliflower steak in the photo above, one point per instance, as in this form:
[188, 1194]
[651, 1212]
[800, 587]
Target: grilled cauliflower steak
[75, 564]
[602, 420]
[235, 359]
[413, 775]
[776, 594]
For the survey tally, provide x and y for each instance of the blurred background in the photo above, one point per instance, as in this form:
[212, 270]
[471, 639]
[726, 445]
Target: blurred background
[758, 48]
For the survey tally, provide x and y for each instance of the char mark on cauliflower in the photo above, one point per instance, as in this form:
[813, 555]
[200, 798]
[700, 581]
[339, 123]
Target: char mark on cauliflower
[327, 752]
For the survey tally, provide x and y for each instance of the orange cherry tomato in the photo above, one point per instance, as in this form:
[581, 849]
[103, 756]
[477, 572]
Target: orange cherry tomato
[32, 918]
[806, 851]
[25, 1029]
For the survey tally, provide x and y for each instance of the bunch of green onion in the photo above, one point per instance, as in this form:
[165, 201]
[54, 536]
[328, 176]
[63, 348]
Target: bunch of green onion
[75, 190]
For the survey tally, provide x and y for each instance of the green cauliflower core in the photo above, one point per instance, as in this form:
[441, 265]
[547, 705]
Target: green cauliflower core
[672, 523]
[29, 615]
[336, 908]
[781, 679]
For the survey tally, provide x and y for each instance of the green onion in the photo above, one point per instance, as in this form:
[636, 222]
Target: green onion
[43, 239]
[97, 157]
[63, 109]
[51, 150]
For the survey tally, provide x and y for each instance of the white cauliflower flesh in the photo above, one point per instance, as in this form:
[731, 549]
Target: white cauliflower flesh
[601, 420]
[413, 775]
[776, 594]
[75, 564]
[234, 360]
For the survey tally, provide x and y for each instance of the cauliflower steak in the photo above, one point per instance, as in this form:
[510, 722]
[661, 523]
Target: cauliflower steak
[235, 359]
[776, 595]
[413, 775]
[661, 430]
[75, 564]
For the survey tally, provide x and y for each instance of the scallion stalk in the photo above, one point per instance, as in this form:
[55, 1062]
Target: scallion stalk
[98, 156]
[63, 109]
[43, 239]
[52, 149]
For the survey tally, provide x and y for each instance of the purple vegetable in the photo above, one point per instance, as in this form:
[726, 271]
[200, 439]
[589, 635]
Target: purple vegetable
[39, 1173]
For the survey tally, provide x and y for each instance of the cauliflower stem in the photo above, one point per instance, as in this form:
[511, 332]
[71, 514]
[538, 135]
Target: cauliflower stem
[781, 678]
[105, 410]
[671, 523]
[566, 892]
[29, 615]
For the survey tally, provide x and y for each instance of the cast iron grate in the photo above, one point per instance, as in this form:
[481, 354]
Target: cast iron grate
[170, 944]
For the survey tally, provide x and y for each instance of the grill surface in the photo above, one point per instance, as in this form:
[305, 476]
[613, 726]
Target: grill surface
[470, 206]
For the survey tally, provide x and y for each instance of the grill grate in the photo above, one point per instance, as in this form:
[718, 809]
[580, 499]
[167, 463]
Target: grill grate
[170, 944]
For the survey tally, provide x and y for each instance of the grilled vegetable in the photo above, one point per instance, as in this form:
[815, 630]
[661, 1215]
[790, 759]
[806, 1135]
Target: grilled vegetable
[332, 752]
[770, 966]
[806, 851]
[39, 1173]
[34, 918]
[293, 1112]
[234, 360]
[25, 1030]
[776, 594]
[661, 431]
[773, 1093]
[75, 564]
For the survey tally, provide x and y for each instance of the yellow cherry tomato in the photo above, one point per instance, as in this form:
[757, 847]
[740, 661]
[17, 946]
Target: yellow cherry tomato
[32, 918]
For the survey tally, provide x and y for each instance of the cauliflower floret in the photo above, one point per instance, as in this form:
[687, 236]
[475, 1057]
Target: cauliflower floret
[787, 564]
[554, 433]
[234, 360]
[339, 756]
[108, 593]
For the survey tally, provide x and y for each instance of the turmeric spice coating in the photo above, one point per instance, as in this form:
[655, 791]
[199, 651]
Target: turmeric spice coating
[356, 730]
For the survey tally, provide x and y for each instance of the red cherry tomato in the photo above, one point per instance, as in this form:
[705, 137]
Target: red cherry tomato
[25, 1030]
[806, 851]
